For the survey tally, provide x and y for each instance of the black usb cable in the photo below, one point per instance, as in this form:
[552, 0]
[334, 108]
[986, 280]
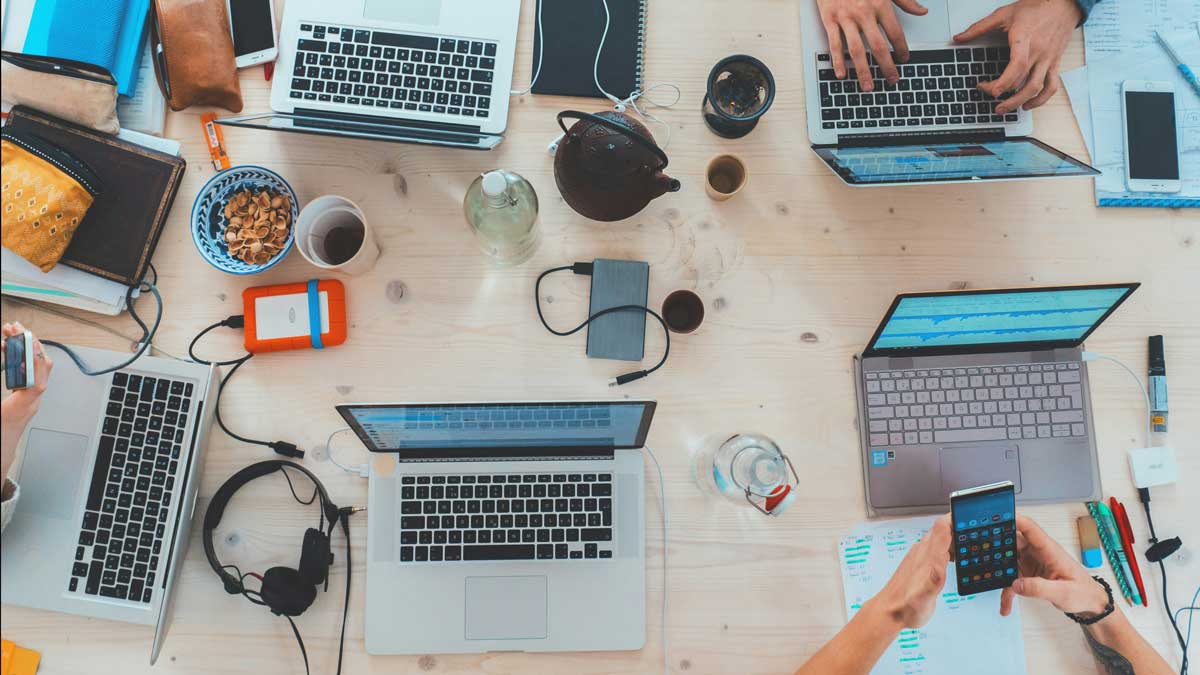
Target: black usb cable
[585, 269]
[238, 321]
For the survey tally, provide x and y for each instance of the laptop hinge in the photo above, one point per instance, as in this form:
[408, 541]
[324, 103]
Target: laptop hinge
[394, 122]
[920, 137]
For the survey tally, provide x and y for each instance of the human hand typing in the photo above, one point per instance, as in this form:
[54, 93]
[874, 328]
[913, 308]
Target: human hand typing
[847, 22]
[1038, 31]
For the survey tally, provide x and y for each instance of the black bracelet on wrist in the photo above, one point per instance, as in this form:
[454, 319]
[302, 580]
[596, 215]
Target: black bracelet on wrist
[1108, 608]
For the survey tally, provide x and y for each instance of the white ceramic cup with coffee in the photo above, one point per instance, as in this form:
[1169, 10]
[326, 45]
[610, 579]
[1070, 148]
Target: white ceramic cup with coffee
[332, 233]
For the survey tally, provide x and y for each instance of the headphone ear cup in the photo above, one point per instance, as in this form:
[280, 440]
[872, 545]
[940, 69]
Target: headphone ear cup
[286, 592]
[315, 557]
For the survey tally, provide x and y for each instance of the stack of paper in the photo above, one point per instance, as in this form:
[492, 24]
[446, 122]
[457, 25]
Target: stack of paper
[963, 630]
[146, 109]
[1120, 44]
[65, 285]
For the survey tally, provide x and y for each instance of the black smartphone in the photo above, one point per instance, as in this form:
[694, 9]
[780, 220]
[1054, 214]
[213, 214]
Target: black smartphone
[18, 361]
[985, 537]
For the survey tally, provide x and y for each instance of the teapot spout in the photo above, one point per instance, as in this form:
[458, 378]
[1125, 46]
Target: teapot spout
[664, 183]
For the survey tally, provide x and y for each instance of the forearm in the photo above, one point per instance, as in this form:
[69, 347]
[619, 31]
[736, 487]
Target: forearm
[1120, 650]
[13, 418]
[856, 648]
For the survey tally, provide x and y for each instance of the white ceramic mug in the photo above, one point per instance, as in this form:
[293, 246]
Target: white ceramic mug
[332, 214]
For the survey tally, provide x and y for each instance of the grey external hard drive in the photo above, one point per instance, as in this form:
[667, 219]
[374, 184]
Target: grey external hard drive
[619, 335]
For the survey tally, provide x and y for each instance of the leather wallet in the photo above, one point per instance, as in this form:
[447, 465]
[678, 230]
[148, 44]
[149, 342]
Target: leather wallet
[193, 54]
[72, 90]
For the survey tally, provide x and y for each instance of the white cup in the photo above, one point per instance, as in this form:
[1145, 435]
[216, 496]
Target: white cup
[326, 230]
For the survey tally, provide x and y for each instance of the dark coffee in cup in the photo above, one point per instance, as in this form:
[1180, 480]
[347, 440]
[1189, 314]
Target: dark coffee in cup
[683, 311]
[343, 242]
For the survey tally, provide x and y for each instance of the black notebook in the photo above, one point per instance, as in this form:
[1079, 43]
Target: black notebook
[572, 33]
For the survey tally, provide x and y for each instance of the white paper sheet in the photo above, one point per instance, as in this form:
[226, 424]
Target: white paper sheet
[966, 630]
[146, 110]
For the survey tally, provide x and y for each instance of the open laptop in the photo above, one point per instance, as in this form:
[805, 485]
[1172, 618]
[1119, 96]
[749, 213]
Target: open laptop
[964, 388]
[505, 526]
[109, 470]
[436, 72]
[934, 125]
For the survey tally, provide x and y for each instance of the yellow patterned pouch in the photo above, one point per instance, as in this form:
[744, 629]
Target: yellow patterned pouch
[46, 193]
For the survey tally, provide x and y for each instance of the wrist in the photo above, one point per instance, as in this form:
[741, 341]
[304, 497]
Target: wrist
[885, 614]
[19, 407]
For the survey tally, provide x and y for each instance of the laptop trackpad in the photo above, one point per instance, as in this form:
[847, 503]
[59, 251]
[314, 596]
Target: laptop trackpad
[506, 608]
[50, 472]
[973, 465]
[428, 12]
[932, 28]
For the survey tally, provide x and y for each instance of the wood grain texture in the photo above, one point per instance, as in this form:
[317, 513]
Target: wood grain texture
[795, 271]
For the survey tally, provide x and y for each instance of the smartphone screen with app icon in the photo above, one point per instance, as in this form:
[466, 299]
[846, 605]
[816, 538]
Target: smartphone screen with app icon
[985, 537]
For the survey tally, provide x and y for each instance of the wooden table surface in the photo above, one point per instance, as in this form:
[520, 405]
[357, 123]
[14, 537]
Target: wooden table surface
[795, 273]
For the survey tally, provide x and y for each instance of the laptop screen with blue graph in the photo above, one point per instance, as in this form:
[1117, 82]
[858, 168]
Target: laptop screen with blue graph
[1057, 316]
[936, 162]
[481, 426]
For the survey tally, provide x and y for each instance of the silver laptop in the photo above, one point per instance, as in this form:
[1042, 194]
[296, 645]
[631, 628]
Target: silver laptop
[964, 388]
[505, 526]
[934, 125]
[109, 471]
[435, 72]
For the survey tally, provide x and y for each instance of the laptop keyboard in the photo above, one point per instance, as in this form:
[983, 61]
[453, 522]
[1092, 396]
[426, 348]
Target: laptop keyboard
[937, 87]
[127, 504]
[950, 405]
[544, 516]
[397, 71]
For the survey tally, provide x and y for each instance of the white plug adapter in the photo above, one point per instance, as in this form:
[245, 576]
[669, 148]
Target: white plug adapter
[1152, 467]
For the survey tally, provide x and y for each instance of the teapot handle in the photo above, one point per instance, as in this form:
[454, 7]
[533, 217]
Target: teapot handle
[638, 138]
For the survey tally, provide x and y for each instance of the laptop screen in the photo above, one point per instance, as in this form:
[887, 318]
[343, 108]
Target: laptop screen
[936, 162]
[1037, 318]
[454, 428]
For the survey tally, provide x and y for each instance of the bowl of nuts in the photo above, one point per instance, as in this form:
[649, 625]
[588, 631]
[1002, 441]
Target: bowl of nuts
[243, 220]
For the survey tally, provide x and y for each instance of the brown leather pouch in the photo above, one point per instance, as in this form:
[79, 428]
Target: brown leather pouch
[193, 54]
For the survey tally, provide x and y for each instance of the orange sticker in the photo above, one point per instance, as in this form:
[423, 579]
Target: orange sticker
[215, 140]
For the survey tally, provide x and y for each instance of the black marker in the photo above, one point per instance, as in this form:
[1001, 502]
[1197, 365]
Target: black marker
[1158, 384]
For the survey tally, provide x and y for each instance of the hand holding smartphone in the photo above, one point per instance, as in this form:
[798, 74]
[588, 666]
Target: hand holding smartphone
[18, 361]
[984, 537]
[1151, 146]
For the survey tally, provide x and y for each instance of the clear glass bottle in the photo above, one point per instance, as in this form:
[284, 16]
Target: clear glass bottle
[502, 208]
[726, 468]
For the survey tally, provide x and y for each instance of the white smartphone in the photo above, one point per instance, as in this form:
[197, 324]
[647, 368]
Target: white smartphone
[1151, 137]
[252, 23]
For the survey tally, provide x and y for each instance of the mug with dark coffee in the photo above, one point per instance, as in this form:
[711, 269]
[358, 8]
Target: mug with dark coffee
[332, 233]
[683, 311]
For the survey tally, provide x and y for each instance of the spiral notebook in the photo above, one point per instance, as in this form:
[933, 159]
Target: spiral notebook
[570, 33]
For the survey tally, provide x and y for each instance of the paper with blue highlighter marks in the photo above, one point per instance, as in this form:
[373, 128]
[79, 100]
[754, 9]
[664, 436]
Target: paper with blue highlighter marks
[965, 634]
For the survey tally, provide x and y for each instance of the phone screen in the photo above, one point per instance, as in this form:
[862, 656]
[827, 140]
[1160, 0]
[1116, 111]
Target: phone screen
[985, 539]
[252, 28]
[14, 362]
[1150, 130]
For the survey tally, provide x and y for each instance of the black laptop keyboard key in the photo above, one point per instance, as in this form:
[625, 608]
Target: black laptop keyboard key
[499, 552]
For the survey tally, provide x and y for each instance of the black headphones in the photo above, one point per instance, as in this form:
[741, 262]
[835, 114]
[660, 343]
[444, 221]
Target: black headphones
[286, 591]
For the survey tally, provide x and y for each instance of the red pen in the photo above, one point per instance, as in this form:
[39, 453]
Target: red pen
[1126, 531]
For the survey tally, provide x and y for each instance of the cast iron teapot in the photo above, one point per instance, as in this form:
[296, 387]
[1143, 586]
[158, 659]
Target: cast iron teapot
[608, 166]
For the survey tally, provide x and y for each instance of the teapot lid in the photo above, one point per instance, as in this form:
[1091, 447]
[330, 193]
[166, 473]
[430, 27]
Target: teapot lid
[638, 138]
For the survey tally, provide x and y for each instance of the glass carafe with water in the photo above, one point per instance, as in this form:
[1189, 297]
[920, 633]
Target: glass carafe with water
[502, 209]
[747, 468]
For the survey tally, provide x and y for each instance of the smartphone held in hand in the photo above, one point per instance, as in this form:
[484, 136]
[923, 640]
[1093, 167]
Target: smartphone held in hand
[18, 361]
[985, 537]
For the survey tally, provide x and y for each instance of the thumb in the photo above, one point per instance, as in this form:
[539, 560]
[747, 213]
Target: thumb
[912, 7]
[1054, 592]
[987, 24]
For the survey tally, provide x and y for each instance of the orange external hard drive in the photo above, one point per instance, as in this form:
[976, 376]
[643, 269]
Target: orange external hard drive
[306, 315]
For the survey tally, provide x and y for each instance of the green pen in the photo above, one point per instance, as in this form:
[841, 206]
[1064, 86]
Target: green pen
[1110, 525]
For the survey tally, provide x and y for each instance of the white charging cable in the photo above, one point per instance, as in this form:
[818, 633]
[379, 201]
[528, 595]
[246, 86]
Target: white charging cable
[1096, 356]
[662, 498]
[362, 470]
[619, 104]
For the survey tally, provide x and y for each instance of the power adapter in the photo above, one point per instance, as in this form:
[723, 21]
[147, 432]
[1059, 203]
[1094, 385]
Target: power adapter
[1152, 467]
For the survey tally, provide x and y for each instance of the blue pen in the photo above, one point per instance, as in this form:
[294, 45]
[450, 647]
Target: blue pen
[1188, 74]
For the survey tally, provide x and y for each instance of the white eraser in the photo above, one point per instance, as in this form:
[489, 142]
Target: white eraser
[1153, 466]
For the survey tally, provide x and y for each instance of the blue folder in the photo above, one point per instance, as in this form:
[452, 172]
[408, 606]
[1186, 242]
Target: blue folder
[107, 33]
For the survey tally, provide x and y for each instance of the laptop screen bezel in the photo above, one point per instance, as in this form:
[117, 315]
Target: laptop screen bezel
[498, 452]
[992, 347]
[899, 141]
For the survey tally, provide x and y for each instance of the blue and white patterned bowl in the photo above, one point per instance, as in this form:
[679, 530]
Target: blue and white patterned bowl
[208, 216]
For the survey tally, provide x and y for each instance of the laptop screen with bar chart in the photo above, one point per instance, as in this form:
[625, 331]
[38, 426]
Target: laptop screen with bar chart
[972, 321]
[464, 430]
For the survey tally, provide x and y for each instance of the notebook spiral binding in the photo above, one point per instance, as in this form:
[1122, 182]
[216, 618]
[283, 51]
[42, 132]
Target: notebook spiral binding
[639, 70]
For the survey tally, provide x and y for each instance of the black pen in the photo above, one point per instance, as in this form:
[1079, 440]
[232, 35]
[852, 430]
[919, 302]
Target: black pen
[1158, 384]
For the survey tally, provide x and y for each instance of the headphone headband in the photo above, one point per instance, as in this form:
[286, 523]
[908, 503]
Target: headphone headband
[216, 509]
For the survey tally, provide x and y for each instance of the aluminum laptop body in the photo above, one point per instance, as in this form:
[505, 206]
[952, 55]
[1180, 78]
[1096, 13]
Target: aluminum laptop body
[871, 139]
[964, 388]
[434, 72]
[66, 501]
[561, 600]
